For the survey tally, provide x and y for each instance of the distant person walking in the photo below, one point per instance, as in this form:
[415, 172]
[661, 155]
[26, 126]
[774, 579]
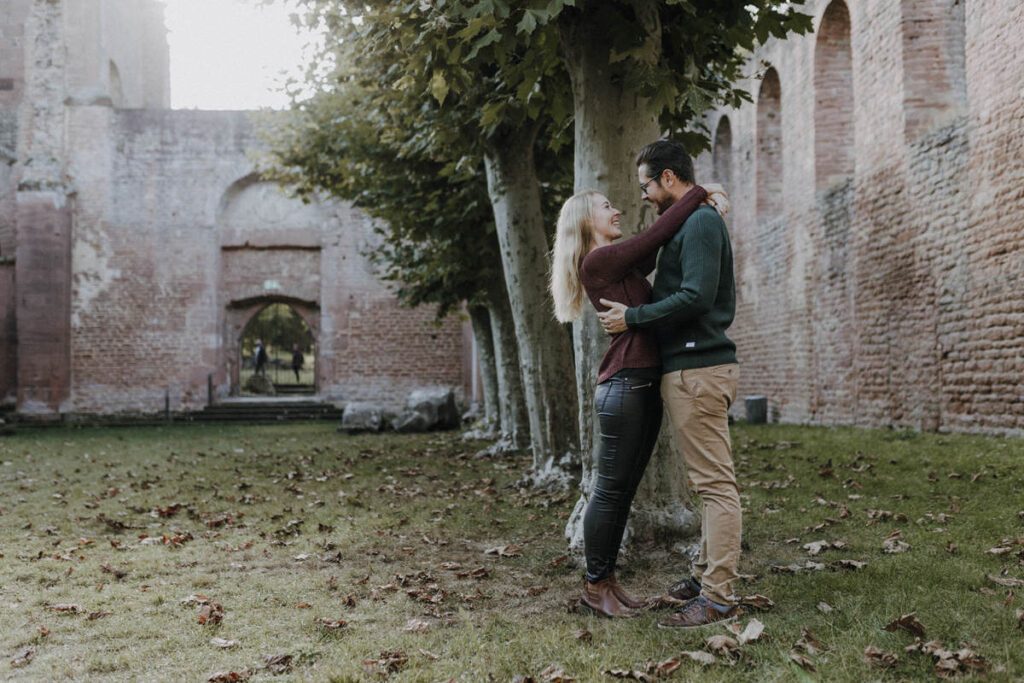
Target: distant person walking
[588, 262]
[261, 358]
[297, 361]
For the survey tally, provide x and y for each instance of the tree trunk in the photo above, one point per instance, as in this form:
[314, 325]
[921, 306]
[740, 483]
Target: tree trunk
[544, 348]
[515, 428]
[613, 122]
[481, 321]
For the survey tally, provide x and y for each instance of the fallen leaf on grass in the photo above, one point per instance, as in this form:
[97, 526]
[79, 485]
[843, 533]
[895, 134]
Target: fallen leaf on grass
[802, 661]
[808, 643]
[415, 625]
[1020, 618]
[757, 602]
[277, 664]
[907, 622]
[699, 656]
[1007, 581]
[223, 643]
[848, 564]
[815, 547]
[663, 602]
[880, 658]
[807, 566]
[23, 658]
[429, 655]
[825, 608]
[331, 624]
[894, 543]
[949, 663]
[631, 674]
[93, 616]
[118, 573]
[583, 635]
[303, 605]
[389, 661]
[510, 550]
[195, 599]
[230, 676]
[65, 608]
[722, 645]
[751, 632]
[556, 674]
[952, 548]
[211, 613]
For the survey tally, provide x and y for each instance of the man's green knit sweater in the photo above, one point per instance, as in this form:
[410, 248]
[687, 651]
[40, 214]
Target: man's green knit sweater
[694, 297]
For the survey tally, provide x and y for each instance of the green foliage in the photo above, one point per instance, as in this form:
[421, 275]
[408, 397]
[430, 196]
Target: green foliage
[279, 326]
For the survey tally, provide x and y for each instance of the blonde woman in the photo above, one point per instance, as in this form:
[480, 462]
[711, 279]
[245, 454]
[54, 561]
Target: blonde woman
[587, 263]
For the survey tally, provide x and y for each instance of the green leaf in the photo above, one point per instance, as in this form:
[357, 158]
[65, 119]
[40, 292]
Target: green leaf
[439, 87]
[527, 24]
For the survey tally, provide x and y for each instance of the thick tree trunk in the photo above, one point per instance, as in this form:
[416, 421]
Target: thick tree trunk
[515, 427]
[544, 348]
[613, 122]
[484, 336]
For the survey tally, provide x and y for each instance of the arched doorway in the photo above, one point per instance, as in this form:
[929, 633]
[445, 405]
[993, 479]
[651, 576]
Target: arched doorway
[277, 349]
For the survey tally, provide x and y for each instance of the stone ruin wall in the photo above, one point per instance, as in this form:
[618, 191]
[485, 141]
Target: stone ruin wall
[145, 242]
[878, 217]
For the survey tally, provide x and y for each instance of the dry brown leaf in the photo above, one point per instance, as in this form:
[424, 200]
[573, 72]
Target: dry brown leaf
[628, 674]
[848, 564]
[722, 645]
[808, 643]
[211, 613]
[880, 658]
[825, 608]
[223, 643]
[699, 656]
[93, 616]
[429, 655]
[415, 625]
[753, 631]
[230, 676]
[510, 550]
[808, 566]
[816, 547]
[757, 602]
[663, 602]
[894, 543]
[907, 622]
[555, 674]
[331, 624]
[277, 664]
[583, 635]
[801, 661]
[667, 667]
[24, 658]
[1007, 581]
[65, 608]
[1020, 618]
[952, 548]
[303, 605]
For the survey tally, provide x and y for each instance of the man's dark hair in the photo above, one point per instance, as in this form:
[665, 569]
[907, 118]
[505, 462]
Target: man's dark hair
[663, 154]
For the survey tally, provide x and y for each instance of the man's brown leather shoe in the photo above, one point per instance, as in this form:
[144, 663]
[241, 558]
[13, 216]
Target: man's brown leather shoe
[601, 598]
[700, 612]
[687, 589]
[624, 597]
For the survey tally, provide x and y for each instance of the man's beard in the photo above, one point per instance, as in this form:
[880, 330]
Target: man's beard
[664, 204]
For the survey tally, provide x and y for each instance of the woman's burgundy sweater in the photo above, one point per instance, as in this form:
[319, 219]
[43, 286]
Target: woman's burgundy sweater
[617, 272]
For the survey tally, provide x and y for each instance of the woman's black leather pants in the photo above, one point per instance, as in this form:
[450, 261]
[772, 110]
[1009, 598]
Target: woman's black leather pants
[629, 414]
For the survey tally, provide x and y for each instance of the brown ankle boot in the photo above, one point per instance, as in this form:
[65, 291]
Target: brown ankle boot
[601, 598]
[624, 597]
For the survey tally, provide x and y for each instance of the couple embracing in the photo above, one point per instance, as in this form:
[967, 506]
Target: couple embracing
[668, 351]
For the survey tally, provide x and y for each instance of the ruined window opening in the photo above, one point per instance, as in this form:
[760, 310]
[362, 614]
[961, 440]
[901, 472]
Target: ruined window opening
[721, 154]
[834, 100]
[934, 64]
[769, 148]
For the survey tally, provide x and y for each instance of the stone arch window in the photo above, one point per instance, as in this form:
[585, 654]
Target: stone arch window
[721, 154]
[934, 64]
[833, 92]
[769, 147]
[116, 89]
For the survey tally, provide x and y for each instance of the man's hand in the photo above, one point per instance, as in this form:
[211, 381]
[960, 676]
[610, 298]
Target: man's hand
[613, 320]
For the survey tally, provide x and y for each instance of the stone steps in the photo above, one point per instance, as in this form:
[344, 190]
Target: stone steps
[267, 411]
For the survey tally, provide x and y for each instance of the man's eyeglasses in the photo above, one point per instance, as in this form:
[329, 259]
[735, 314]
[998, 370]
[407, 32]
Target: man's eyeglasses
[643, 186]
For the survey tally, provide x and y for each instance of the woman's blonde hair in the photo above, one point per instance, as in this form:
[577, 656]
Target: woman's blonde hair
[573, 239]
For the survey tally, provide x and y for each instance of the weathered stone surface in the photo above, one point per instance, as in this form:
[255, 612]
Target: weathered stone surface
[362, 417]
[437, 405]
[884, 290]
[259, 384]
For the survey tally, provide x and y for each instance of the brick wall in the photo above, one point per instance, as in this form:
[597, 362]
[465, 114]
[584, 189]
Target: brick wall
[888, 291]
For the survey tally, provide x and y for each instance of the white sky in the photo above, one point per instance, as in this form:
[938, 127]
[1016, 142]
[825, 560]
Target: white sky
[231, 54]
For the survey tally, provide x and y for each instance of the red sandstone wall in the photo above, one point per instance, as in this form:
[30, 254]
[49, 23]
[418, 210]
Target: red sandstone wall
[890, 295]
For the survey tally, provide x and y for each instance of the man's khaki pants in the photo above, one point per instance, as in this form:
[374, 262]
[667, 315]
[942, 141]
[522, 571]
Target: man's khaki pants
[697, 402]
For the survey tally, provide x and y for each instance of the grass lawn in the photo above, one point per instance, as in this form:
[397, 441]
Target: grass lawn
[115, 543]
